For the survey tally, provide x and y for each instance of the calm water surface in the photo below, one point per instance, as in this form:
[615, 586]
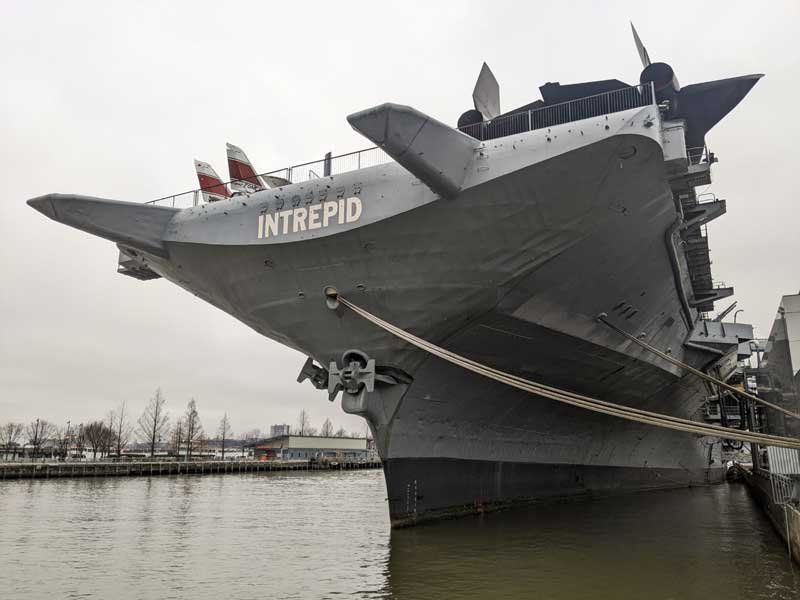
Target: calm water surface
[326, 535]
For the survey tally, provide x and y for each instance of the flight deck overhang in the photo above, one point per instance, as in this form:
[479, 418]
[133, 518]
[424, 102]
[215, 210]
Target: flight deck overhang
[434, 152]
[719, 337]
[702, 213]
[139, 226]
[710, 296]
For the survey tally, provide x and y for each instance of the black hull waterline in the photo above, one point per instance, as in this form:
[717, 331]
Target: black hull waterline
[429, 489]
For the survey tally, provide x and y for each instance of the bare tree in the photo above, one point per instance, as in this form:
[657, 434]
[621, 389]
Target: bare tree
[61, 434]
[327, 429]
[121, 426]
[37, 432]
[224, 432]
[10, 434]
[107, 439]
[154, 421]
[201, 443]
[243, 437]
[341, 432]
[303, 423]
[193, 429]
[99, 435]
[108, 435]
[312, 431]
[177, 438]
[80, 440]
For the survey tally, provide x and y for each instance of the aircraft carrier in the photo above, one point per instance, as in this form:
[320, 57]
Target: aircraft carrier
[502, 239]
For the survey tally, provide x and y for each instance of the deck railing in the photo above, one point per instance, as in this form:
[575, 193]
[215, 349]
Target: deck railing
[540, 118]
[343, 163]
[700, 155]
[566, 112]
[334, 165]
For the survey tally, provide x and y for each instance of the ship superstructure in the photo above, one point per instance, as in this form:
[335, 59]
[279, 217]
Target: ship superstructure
[503, 240]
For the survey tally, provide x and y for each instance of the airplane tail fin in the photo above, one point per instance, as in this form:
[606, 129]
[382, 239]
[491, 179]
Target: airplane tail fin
[243, 176]
[211, 185]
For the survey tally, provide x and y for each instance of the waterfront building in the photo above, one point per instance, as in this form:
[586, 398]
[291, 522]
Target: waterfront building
[279, 430]
[311, 447]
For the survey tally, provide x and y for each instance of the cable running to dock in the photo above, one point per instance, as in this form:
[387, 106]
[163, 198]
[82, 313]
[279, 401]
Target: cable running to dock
[602, 318]
[571, 398]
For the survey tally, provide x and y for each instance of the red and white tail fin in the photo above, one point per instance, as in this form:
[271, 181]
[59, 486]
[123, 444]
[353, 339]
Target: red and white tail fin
[243, 175]
[210, 184]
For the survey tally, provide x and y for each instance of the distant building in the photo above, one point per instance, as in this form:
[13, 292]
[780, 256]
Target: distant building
[308, 447]
[279, 430]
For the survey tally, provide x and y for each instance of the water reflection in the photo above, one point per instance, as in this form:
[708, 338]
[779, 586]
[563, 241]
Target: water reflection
[698, 543]
[326, 535]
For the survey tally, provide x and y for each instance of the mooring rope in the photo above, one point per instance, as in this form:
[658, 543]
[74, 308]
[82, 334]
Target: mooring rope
[585, 402]
[602, 318]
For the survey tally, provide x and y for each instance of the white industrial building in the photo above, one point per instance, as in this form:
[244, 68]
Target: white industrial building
[312, 447]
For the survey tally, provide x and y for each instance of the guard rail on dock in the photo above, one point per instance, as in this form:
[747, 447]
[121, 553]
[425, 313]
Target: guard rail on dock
[784, 516]
[33, 470]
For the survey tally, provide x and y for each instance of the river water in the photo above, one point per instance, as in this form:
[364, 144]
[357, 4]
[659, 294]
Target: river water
[326, 535]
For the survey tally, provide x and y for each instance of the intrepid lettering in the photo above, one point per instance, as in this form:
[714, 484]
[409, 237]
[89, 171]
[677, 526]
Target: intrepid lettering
[309, 218]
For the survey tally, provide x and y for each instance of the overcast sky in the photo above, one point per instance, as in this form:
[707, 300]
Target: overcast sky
[115, 99]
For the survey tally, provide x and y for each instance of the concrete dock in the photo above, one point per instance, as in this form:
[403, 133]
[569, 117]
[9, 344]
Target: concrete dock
[39, 470]
[785, 518]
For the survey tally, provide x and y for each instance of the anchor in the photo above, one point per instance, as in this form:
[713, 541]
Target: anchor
[357, 374]
[317, 375]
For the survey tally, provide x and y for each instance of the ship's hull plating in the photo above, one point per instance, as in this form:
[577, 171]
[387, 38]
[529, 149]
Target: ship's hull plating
[425, 489]
[513, 274]
[459, 442]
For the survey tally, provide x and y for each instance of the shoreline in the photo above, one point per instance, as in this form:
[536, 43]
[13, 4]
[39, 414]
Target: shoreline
[58, 470]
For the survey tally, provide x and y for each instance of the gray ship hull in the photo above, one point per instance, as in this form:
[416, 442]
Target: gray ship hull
[515, 280]
[550, 229]
[461, 442]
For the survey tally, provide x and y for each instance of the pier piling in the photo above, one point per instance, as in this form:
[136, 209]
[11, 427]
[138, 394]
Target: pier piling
[23, 470]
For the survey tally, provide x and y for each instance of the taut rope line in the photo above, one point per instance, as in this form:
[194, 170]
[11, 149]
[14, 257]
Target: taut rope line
[694, 371]
[585, 402]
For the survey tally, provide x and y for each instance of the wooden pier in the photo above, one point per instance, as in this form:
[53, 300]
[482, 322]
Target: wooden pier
[39, 470]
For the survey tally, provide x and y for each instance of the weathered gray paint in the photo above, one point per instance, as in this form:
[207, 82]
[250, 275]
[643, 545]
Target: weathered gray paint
[138, 225]
[550, 228]
[436, 153]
